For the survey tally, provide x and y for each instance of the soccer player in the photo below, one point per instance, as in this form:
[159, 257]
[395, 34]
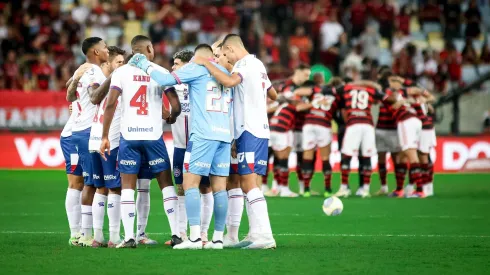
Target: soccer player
[181, 134]
[235, 193]
[249, 77]
[105, 175]
[427, 142]
[73, 170]
[318, 133]
[95, 49]
[141, 136]
[357, 100]
[208, 150]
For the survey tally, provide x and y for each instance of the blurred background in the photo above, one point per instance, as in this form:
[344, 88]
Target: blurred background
[442, 45]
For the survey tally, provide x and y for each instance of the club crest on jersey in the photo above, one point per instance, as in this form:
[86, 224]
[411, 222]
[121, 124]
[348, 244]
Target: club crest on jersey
[177, 172]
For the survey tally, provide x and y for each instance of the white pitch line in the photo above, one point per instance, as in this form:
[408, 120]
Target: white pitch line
[291, 235]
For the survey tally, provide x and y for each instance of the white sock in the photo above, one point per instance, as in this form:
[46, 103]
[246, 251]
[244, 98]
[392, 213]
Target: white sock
[217, 236]
[170, 204]
[252, 223]
[258, 205]
[235, 212]
[142, 205]
[274, 184]
[114, 214]
[207, 207]
[98, 214]
[73, 210]
[80, 203]
[182, 216]
[127, 213]
[195, 232]
[87, 221]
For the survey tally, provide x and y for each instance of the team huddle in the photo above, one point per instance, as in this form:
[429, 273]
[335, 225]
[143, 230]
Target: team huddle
[303, 120]
[221, 104]
[113, 145]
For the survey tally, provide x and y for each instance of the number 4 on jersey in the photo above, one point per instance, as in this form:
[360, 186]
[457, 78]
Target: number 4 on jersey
[139, 101]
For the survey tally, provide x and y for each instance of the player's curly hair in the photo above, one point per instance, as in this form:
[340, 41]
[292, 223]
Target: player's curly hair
[184, 55]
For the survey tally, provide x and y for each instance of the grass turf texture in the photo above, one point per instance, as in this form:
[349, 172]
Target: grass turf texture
[447, 234]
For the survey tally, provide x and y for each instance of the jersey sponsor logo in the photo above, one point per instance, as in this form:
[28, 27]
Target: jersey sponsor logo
[223, 165]
[156, 161]
[202, 164]
[85, 174]
[220, 129]
[96, 177]
[109, 177]
[127, 162]
[140, 129]
[141, 78]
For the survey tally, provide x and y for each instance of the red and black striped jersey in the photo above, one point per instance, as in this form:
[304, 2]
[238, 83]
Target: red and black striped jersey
[406, 111]
[324, 107]
[283, 119]
[423, 115]
[385, 117]
[357, 101]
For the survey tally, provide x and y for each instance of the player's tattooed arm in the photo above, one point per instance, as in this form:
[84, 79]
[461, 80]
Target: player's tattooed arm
[110, 109]
[97, 95]
[223, 78]
[71, 92]
[174, 101]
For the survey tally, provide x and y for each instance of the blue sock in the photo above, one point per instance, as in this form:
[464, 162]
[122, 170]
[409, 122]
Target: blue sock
[193, 206]
[220, 209]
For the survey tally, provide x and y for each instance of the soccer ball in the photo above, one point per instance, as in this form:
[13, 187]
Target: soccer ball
[333, 206]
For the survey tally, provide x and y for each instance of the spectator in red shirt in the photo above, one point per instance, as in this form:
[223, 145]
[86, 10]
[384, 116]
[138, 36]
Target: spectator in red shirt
[303, 43]
[403, 20]
[358, 15]
[451, 59]
[12, 77]
[42, 72]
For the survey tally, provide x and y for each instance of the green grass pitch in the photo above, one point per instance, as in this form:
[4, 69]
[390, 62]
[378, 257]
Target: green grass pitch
[446, 234]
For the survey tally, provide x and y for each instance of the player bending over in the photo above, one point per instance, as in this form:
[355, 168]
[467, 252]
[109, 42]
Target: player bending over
[249, 77]
[208, 150]
[141, 136]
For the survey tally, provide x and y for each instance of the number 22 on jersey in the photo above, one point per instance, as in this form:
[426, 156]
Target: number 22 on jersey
[139, 101]
[213, 98]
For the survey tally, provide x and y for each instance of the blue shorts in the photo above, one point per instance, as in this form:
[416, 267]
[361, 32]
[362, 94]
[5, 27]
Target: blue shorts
[252, 154]
[105, 172]
[71, 156]
[179, 154]
[207, 157]
[80, 140]
[132, 153]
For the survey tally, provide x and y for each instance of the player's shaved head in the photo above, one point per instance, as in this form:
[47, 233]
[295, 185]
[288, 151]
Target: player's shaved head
[95, 49]
[203, 50]
[142, 44]
[233, 39]
[233, 48]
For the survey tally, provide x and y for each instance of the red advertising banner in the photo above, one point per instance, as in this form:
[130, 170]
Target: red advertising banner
[42, 151]
[34, 110]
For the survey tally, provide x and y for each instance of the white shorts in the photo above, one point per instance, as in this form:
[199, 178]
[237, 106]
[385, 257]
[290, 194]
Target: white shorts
[409, 133]
[281, 141]
[298, 141]
[316, 136]
[427, 140]
[359, 136]
[181, 131]
[387, 141]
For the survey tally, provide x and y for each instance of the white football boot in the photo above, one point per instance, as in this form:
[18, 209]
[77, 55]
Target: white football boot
[188, 244]
[344, 191]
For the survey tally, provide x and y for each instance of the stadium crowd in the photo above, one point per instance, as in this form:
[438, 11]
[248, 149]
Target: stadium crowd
[425, 40]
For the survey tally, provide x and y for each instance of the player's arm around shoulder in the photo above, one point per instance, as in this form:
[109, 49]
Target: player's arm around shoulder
[100, 92]
[72, 84]
[224, 78]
